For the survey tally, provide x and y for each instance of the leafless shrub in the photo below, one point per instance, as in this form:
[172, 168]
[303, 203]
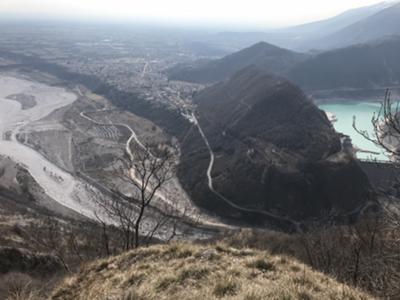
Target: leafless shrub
[19, 286]
[72, 243]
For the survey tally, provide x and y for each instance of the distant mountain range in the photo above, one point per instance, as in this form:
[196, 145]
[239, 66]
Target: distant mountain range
[358, 25]
[265, 56]
[272, 149]
[336, 23]
[361, 66]
[379, 25]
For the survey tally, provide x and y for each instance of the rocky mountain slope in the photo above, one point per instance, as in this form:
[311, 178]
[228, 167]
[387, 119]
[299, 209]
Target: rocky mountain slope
[274, 150]
[361, 66]
[187, 271]
[265, 56]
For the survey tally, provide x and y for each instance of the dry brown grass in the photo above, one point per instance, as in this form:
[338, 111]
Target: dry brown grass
[362, 254]
[188, 271]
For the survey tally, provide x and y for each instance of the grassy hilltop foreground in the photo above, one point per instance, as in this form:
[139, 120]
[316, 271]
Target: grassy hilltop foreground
[189, 271]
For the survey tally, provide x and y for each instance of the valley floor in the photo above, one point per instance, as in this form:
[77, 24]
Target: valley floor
[71, 140]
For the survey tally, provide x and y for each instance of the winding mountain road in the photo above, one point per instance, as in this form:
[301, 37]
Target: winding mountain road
[296, 225]
[132, 137]
[183, 207]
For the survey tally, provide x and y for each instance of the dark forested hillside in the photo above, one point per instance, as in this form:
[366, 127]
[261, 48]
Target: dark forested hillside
[274, 150]
[265, 56]
[361, 66]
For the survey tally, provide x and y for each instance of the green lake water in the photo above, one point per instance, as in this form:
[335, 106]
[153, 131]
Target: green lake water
[363, 111]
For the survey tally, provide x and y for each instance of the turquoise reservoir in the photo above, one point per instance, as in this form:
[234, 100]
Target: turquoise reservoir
[363, 111]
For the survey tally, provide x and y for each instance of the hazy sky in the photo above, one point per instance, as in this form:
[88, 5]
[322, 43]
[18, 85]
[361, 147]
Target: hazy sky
[250, 12]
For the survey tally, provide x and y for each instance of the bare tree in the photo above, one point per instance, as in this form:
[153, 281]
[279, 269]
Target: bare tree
[381, 237]
[386, 127]
[386, 135]
[135, 214]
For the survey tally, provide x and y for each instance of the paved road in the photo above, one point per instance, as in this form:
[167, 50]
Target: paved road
[181, 207]
[296, 225]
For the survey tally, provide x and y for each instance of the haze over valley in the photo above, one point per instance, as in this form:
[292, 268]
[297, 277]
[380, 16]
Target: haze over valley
[142, 158]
